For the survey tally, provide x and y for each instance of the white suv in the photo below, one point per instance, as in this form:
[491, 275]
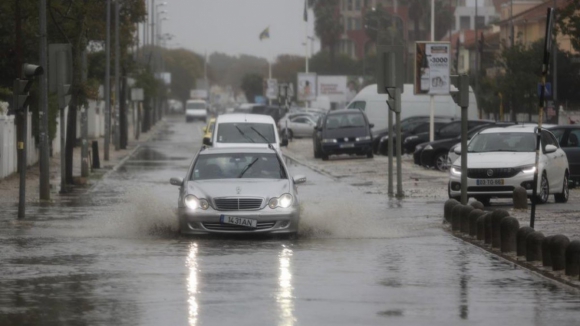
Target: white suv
[245, 130]
[501, 159]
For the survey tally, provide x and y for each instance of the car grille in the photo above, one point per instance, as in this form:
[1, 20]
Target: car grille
[495, 173]
[490, 188]
[230, 227]
[345, 139]
[235, 204]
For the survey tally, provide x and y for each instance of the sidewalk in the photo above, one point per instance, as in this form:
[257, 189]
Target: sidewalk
[9, 186]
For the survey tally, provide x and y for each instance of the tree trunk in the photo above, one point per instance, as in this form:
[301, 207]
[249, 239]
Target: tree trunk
[71, 137]
[123, 112]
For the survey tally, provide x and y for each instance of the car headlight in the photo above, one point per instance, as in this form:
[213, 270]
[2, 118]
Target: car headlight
[529, 169]
[283, 201]
[455, 170]
[385, 138]
[410, 138]
[363, 138]
[428, 147]
[194, 203]
[329, 140]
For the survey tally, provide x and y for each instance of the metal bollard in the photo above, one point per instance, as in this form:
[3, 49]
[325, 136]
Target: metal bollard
[464, 218]
[96, 161]
[558, 251]
[449, 204]
[456, 217]
[546, 253]
[509, 227]
[480, 227]
[534, 246]
[473, 216]
[521, 240]
[496, 217]
[573, 258]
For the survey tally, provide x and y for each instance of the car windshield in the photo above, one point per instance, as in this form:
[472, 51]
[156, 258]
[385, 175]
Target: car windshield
[502, 142]
[195, 106]
[245, 132]
[347, 120]
[238, 165]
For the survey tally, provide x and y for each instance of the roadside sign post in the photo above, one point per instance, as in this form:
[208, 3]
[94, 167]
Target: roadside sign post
[545, 69]
[391, 75]
[137, 96]
[461, 98]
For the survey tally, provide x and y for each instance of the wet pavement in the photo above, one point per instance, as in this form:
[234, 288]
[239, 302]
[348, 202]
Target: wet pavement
[112, 256]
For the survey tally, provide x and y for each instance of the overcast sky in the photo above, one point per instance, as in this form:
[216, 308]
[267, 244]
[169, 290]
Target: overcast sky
[233, 26]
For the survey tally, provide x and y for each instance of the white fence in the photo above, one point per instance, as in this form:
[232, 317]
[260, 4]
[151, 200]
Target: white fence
[8, 151]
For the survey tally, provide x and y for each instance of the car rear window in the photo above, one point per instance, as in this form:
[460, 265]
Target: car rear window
[503, 142]
[195, 106]
[238, 165]
[246, 132]
[346, 120]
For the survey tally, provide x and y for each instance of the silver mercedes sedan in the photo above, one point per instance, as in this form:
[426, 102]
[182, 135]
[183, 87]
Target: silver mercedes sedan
[238, 191]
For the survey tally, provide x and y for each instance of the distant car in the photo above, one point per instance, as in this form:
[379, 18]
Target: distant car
[435, 154]
[380, 137]
[238, 191]
[208, 131]
[450, 130]
[343, 132]
[246, 130]
[418, 128]
[299, 125]
[569, 139]
[501, 159]
[196, 109]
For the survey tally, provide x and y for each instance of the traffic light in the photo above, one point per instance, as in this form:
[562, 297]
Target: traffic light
[20, 94]
[461, 94]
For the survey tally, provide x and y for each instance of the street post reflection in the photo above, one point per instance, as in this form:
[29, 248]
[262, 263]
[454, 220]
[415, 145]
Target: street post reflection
[285, 297]
[191, 264]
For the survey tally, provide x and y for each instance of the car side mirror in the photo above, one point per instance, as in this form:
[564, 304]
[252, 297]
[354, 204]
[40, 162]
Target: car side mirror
[298, 179]
[176, 181]
[371, 125]
[457, 150]
[207, 141]
[550, 149]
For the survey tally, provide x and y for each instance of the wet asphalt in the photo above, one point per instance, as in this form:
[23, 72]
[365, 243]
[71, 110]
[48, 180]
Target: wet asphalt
[112, 256]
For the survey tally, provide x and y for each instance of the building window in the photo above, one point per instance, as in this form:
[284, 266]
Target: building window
[357, 24]
[480, 21]
[357, 4]
[349, 24]
[344, 5]
[349, 5]
[464, 22]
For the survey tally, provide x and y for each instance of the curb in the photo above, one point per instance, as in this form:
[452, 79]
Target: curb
[310, 166]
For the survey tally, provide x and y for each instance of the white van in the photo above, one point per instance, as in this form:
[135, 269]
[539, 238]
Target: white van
[195, 109]
[375, 105]
[246, 130]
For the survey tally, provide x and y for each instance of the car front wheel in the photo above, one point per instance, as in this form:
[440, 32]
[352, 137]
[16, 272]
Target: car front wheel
[542, 197]
[563, 197]
[440, 162]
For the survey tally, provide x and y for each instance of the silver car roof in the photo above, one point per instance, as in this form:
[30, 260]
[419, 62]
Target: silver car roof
[237, 150]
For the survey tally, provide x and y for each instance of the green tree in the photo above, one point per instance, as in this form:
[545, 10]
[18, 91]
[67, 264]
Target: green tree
[286, 67]
[343, 64]
[185, 67]
[252, 85]
[568, 22]
[327, 25]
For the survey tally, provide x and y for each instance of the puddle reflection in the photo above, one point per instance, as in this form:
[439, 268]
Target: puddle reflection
[192, 281]
[285, 297]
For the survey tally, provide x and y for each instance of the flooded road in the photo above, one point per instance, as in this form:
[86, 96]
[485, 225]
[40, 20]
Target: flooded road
[112, 256]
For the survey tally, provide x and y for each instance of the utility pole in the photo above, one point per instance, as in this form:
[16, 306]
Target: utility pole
[476, 27]
[117, 86]
[108, 83]
[153, 68]
[84, 125]
[44, 178]
[555, 71]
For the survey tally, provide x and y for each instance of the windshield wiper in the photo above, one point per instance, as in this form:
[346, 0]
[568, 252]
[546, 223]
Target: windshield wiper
[248, 167]
[259, 134]
[242, 133]
[349, 126]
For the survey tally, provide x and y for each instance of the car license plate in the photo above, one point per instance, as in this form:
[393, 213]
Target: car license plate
[489, 182]
[248, 222]
[348, 145]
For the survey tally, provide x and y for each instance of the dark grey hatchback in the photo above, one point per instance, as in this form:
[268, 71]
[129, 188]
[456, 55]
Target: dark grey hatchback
[343, 132]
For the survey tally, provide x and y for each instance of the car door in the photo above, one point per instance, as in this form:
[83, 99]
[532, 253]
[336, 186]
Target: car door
[555, 162]
[571, 146]
[301, 126]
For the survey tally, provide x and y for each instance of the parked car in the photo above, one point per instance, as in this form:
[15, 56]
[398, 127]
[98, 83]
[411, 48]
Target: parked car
[208, 131]
[238, 190]
[298, 125]
[435, 154]
[568, 138]
[246, 130]
[500, 159]
[419, 127]
[450, 130]
[343, 132]
[195, 109]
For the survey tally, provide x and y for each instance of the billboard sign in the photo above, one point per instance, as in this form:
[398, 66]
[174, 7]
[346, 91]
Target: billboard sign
[432, 68]
[137, 94]
[271, 89]
[198, 94]
[334, 87]
[306, 86]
